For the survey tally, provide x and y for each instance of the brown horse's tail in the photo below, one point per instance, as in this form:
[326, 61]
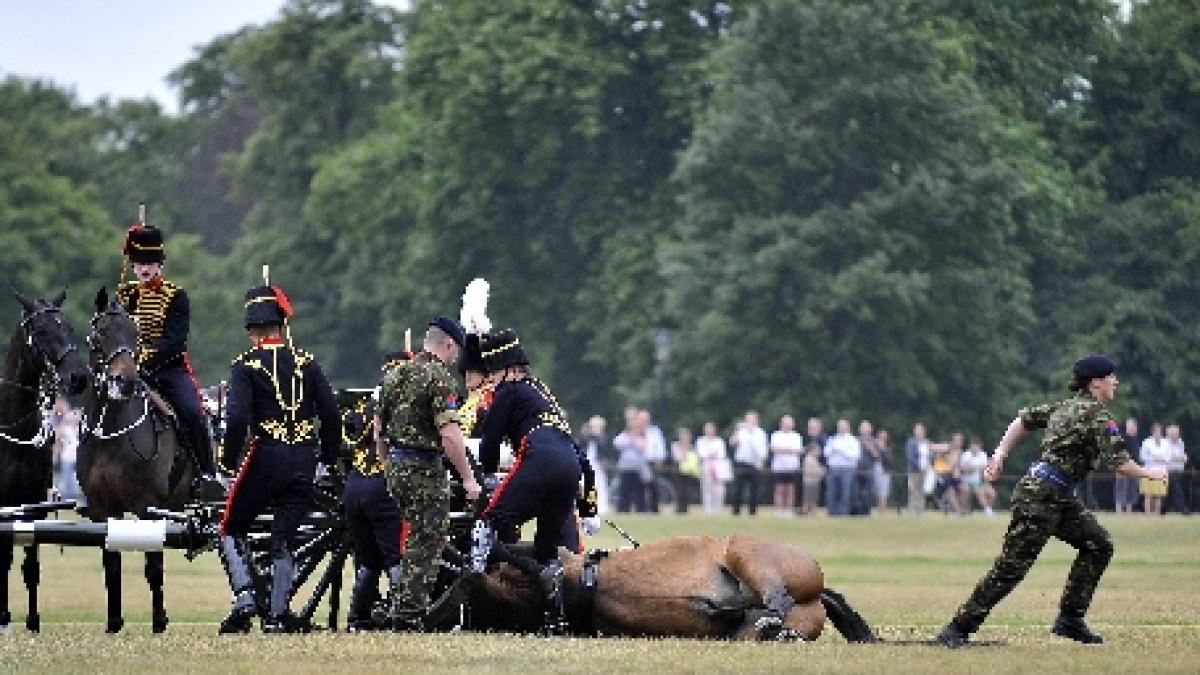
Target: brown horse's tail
[847, 621]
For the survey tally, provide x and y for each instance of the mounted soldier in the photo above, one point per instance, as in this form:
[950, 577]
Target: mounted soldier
[281, 401]
[161, 310]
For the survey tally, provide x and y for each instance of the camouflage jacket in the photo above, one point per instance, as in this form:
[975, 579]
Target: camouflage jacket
[418, 398]
[1080, 434]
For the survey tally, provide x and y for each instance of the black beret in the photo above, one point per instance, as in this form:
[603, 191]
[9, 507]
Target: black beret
[450, 327]
[1094, 365]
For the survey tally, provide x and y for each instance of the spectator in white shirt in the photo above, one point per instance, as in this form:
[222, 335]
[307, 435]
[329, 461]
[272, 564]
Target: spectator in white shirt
[842, 452]
[1155, 454]
[715, 469]
[656, 454]
[1177, 481]
[749, 457]
[786, 448]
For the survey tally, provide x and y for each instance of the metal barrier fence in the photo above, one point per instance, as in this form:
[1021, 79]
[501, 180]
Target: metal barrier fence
[1098, 491]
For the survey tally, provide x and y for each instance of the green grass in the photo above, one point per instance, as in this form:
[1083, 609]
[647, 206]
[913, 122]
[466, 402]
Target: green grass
[904, 575]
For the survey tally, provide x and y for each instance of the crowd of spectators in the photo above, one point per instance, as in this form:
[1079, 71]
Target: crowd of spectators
[851, 472]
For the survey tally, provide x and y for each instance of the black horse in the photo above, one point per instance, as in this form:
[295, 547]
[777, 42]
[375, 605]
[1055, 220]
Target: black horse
[41, 359]
[130, 458]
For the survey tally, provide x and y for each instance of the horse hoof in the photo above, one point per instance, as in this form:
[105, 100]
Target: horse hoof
[159, 623]
[33, 622]
[115, 626]
[790, 635]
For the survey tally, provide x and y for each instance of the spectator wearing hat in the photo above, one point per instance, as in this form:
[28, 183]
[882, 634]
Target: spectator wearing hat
[161, 310]
[1079, 433]
[418, 421]
[281, 402]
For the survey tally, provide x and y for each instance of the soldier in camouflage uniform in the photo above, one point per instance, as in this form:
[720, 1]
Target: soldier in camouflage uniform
[1080, 433]
[418, 423]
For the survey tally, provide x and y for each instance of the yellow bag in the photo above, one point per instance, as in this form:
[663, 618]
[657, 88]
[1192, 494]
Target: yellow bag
[690, 466]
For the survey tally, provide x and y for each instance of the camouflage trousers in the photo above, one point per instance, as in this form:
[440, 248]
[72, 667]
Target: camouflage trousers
[1034, 521]
[421, 490]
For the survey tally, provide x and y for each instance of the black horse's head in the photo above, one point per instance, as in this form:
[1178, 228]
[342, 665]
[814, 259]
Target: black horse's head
[52, 340]
[113, 346]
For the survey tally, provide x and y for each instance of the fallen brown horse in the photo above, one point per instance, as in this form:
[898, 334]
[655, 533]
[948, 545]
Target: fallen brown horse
[738, 588]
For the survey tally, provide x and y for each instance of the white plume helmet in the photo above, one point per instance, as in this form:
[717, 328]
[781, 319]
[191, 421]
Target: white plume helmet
[474, 316]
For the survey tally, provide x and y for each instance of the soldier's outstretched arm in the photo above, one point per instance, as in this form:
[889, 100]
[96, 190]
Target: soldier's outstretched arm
[1134, 470]
[1014, 432]
[327, 412]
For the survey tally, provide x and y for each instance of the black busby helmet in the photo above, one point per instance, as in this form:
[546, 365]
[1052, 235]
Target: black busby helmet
[450, 327]
[144, 244]
[471, 357]
[475, 323]
[267, 305]
[502, 350]
[392, 358]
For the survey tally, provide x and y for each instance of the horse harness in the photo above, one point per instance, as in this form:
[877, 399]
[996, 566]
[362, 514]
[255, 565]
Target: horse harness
[47, 389]
[581, 616]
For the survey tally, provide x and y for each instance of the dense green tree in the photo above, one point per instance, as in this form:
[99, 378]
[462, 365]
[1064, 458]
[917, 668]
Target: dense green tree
[1145, 102]
[854, 210]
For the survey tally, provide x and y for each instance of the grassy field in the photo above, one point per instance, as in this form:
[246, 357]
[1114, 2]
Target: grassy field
[904, 575]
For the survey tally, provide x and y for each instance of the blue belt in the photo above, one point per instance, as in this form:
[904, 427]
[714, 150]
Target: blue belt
[406, 452]
[1053, 477]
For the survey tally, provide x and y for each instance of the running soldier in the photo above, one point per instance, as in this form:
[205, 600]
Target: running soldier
[1080, 433]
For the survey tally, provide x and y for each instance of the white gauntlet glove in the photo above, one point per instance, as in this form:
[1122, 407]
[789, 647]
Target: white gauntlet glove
[591, 526]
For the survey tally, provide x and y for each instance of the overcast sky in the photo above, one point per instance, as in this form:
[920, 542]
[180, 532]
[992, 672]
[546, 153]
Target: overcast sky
[123, 48]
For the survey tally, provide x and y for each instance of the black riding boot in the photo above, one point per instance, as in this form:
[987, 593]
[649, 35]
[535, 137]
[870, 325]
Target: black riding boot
[554, 620]
[954, 635]
[233, 554]
[282, 575]
[401, 620]
[362, 600]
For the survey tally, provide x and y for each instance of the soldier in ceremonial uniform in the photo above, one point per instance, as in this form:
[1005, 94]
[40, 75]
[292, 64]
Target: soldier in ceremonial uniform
[543, 481]
[162, 313]
[418, 419]
[279, 397]
[372, 516]
[1080, 432]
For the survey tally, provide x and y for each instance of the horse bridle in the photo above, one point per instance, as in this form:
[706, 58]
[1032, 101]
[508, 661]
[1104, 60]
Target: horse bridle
[102, 377]
[47, 388]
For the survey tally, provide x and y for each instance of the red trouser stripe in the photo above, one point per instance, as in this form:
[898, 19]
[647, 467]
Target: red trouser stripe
[578, 532]
[237, 482]
[405, 530]
[512, 471]
[187, 368]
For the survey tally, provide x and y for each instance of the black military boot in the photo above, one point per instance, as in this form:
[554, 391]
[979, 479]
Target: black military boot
[362, 600]
[400, 620]
[954, 635]
[281, 591]
[239, 619]
[1073, 627]
[554, 620]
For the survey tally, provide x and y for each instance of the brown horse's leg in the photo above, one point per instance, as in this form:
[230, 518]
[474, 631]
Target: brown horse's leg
[154, 577]
[31, 571]
[112, 584]
[787, 579]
